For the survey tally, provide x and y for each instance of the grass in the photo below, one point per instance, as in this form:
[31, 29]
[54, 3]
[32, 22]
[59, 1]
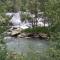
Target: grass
[37, 30]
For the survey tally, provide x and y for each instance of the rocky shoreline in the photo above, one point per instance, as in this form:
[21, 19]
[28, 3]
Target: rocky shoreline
[17, 32]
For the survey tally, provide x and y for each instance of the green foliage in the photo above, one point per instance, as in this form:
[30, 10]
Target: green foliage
[3, 50]
[25, 17]
[4, 23]
[54, 49]
[52, 10]
[37, 30]
[30, 56]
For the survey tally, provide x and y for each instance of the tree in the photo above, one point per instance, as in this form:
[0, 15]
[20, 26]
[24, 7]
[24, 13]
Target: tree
[52, 10]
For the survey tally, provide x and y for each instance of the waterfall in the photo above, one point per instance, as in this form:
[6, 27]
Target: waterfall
[16, 21]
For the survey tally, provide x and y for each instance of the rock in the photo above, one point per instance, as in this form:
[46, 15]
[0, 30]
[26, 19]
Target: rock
[15, 32]
[8, 33]
[34, 35]
[43, 35]
[23, 34]
[20, 36]
[30, 34]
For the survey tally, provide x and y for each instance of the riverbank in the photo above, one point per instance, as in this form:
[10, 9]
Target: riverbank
[28, 33]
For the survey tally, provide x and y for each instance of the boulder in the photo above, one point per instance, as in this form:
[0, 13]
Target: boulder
[23, 34]
[33, 35]
[29, 34]
[43, 35]
[8, 33]
[16, 32]
[20, 36]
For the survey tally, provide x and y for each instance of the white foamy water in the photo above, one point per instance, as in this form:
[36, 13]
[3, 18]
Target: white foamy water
[9, 14]
[16, 21]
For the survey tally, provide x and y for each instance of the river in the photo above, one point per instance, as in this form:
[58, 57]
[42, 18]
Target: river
[25, 45]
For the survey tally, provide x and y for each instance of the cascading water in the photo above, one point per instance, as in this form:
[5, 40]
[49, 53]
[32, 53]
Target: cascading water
[16, 21]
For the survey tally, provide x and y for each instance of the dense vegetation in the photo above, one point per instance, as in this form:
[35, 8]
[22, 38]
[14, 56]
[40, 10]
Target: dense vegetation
[51, 9]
